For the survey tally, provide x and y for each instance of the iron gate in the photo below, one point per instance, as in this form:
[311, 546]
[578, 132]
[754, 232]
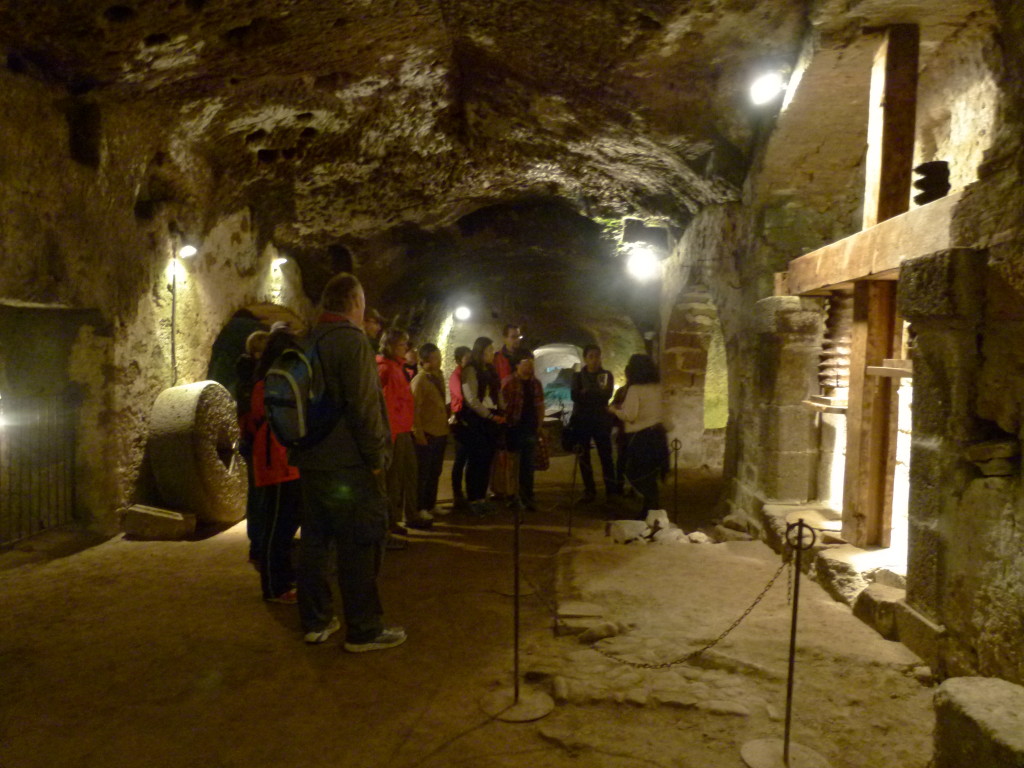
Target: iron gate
[37, 465]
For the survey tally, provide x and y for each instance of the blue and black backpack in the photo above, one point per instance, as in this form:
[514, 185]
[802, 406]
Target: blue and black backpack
[299, 408]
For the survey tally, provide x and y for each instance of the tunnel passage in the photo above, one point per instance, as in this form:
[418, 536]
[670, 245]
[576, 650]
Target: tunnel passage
[537, 263]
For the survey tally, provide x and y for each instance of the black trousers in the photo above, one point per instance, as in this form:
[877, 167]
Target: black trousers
[481, 438]
[430, 461]
[646, 462]
[346, 509]
[602, 438]
[282, 514]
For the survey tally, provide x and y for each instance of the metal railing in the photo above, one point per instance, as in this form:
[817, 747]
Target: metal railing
[37, 465]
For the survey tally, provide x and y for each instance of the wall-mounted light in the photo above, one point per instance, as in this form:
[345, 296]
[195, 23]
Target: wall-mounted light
[279, 261]
[187, 251]
[463, 313]
[643, 262]
[767, 87]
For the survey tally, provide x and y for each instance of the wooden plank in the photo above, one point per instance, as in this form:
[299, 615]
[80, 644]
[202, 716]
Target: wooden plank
[891, 121]
[876, 252]
[870, 433]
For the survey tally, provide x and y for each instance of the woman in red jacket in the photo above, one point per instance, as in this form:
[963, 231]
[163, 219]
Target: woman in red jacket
[279, 481]
[401, 475]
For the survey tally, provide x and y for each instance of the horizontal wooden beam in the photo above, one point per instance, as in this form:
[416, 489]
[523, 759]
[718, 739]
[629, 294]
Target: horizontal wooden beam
[875, 253]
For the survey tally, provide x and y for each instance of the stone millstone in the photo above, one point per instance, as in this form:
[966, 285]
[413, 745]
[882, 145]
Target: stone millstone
[768, 753]
[192, 436]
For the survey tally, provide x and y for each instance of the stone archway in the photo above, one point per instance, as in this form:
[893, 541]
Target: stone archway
[230, 342]
[695, 378]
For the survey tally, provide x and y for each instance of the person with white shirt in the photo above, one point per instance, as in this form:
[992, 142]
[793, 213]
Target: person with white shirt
[647, 441]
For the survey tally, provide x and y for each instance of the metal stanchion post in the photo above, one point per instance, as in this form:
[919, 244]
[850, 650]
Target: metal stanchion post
[572, 487]
[515, 705]
[676, 446]
[773, 753]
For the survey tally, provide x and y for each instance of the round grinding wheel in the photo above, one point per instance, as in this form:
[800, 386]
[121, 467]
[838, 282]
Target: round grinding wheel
[192, 437]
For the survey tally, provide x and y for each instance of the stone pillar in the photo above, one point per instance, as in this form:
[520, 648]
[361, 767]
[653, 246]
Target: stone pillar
[942, 296]
[789, 334]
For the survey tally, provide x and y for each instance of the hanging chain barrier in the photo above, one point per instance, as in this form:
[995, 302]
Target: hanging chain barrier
[707, 646]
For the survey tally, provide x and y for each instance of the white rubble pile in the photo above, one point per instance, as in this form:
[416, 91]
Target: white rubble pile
[657, 528]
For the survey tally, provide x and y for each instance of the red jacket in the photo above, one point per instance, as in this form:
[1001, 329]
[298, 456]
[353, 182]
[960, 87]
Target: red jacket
[503, 363]
[269, 458]
[455, 389]
[397, 395]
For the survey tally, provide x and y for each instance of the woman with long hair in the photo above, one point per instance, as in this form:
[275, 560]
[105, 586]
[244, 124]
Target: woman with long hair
[482, 419]
[641, 413]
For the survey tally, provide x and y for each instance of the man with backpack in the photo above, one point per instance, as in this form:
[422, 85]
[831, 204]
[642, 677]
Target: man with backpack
[342, 479]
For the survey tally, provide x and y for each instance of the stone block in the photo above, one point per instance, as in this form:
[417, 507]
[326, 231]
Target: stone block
[838, 573]
[571, 609]
[723, 533]
[789, 475]
[155, 524]
[788, 428]
[993, 449]
[924, 559]
[998, 467]
[979, 721]
[625, 531]
[947, 286]
[919, 633]
[768, 311]
[876, 607]
[575, 626]
[599, 632]
[806, 321]
[670, 536]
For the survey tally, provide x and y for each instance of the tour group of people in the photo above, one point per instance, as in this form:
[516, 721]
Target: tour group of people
[379, 466]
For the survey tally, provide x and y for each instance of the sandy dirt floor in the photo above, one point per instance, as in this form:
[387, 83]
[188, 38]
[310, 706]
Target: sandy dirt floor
[162, 654]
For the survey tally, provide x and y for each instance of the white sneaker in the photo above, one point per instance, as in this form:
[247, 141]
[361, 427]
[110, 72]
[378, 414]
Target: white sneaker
[389, 637]
[440, 511]
[321, 635]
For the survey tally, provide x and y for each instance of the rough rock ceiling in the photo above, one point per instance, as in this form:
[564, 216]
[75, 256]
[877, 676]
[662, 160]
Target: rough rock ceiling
[338, 118]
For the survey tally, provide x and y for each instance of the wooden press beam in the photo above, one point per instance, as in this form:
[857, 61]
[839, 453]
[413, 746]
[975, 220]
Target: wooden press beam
[874, 253]
[871, 417]
[891, 122]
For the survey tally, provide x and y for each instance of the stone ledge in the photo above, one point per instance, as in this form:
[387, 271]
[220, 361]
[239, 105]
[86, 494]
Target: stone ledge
[979, 721]
[876, 607]
[919, 633]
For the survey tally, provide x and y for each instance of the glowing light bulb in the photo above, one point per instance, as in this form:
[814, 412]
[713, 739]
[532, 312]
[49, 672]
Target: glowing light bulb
[462, 313]
[279, 261]
[766, 87]
[187, 251]
[643, 263]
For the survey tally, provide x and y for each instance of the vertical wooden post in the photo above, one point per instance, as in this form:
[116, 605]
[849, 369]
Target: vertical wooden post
[870, 425]
[891, 125]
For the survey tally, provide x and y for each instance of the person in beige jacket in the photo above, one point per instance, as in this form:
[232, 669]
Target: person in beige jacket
[430, 427]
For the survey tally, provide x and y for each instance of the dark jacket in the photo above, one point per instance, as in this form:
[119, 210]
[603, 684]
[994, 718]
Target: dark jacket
[590, 398]
[362, 436]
